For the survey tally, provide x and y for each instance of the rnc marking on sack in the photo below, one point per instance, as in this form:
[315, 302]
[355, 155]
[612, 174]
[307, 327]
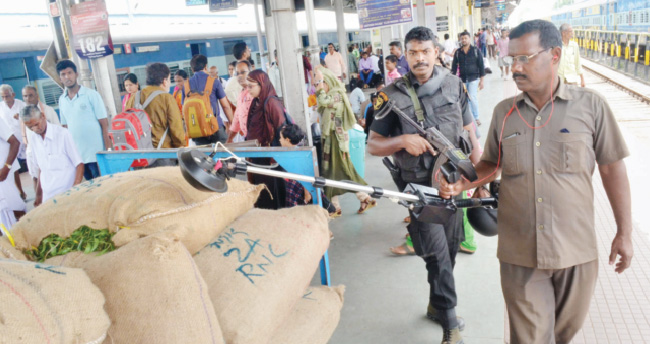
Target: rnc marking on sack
[224, 243]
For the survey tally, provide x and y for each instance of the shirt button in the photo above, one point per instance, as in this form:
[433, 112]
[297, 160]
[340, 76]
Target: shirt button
[539, 171]
[540, 227]
[540, 200]
[539, 118]
[538, 143]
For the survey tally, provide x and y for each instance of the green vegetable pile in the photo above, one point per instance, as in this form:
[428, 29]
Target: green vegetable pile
[84, 239]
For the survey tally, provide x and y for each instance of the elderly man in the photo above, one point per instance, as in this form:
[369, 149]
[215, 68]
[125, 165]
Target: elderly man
[546, 154]
[570, 66]
[30, 96]
[334, 62]
[9, 109]
[55, 155]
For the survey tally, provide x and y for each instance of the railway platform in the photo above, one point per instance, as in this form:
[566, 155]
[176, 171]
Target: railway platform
[386, 295]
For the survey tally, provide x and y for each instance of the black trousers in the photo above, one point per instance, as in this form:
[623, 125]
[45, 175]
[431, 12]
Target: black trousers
[220, 136]
[438, 245]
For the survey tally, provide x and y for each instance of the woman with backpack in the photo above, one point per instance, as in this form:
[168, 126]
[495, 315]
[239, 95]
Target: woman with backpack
[265, 118]
[337, 118]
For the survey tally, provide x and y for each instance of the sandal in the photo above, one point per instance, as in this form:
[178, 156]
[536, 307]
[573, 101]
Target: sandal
[403, 250]
[366, 204]
[336, 214]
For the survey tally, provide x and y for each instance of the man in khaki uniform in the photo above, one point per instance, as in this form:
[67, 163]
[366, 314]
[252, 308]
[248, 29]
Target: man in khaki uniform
[549, 147]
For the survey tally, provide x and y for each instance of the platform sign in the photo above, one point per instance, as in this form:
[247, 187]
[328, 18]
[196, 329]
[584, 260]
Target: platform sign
[380, 13]
[195, 2]
[90, 31]
[222, 5]
[501, 7]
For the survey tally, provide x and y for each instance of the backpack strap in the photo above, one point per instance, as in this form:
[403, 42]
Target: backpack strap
[136, 102]
[162, 139]
[149, 99]
[419, 113]
[208, 86]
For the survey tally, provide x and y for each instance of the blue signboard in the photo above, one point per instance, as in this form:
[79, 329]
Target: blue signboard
[195, 2]
[501, 7]
[378, 13]
[222, 5]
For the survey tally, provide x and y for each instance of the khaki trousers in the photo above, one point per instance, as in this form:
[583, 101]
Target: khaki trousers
[547, 306]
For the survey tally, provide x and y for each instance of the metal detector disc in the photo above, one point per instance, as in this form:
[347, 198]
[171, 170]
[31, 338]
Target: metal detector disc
[197, 168]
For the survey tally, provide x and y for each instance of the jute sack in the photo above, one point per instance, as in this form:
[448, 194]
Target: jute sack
[154, 292]
[136, 204]
[9, 252]
[313, 319]
[49, 304]
[259, 267]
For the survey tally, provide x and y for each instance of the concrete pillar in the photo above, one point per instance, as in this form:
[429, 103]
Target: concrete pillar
[260, 41]
[314, 49]
[85, 77]
[271, 38]
[422, 13]
[342, 36]
[290, 64]
[106, 83]
[386, 38]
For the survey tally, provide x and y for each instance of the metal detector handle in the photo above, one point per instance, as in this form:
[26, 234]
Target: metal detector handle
[476, 202]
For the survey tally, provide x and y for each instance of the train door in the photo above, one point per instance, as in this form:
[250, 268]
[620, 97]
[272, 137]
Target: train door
[198, 48]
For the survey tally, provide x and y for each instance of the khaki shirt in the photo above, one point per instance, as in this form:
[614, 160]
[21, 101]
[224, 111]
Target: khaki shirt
[546, 199]
[163, 113]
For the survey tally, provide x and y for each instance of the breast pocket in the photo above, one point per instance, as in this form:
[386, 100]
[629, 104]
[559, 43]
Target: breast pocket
[57, 161]
[571, 154]
[514, 155]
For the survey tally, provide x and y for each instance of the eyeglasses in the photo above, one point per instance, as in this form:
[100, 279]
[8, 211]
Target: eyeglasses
[523, 59]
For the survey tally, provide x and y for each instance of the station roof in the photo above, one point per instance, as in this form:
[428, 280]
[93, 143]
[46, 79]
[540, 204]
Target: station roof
[141, 21]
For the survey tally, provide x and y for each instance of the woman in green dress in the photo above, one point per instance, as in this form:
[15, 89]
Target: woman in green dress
[336, 119]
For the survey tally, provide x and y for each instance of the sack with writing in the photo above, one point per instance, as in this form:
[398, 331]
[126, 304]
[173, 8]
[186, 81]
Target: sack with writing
[259, 267]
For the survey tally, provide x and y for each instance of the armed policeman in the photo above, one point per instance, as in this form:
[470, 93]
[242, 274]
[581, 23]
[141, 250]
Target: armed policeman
[432, 97]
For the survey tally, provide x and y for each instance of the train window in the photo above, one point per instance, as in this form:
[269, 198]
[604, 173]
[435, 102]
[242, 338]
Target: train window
[51, 92]
[173, 67]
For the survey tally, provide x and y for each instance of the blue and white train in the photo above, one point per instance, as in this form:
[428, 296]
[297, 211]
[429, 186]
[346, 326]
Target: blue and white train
[606, 15]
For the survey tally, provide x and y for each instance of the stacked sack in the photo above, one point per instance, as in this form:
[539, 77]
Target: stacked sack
[183, 271]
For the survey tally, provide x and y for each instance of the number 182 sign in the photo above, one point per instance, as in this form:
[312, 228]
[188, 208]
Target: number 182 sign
[90, 31]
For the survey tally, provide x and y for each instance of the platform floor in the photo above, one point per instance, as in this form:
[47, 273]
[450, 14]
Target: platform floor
[386, 296]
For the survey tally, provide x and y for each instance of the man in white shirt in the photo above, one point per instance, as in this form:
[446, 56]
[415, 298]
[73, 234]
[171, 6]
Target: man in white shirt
[9, 109]
[450, 48]
[10, 200]
[30, 96]
[55, 154]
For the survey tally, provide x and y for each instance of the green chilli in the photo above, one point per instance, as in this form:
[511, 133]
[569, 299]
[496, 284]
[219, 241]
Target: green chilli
[84, 239]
